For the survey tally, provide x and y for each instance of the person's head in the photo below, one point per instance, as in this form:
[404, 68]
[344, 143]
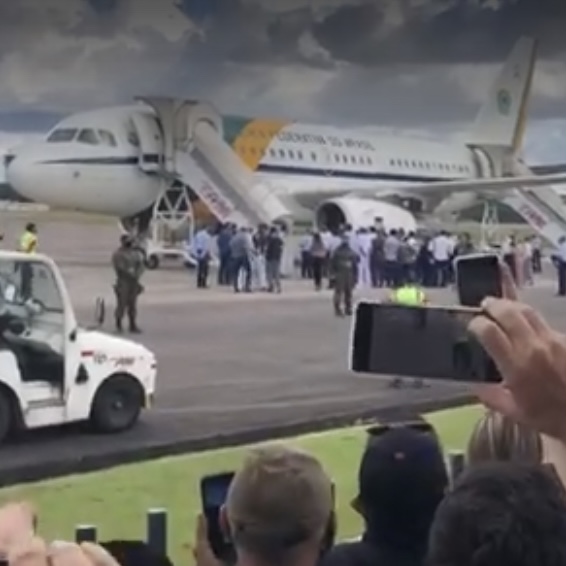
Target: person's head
[393, 232]
[126, 241]
[280, 508]
[31, 227]
[496, 437]
[316, 238]
[501, 513]
[402, 479]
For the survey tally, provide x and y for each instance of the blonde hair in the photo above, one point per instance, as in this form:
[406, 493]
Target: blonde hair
[497, 438]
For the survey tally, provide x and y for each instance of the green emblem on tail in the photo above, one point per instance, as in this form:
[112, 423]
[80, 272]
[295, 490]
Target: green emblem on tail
[504, 102]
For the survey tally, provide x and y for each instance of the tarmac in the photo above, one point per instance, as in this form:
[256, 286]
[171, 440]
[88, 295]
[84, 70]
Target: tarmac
[232, 368]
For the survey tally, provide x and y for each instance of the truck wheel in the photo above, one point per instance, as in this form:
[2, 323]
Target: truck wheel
[152, 262]
[117, 405]
[6, 416]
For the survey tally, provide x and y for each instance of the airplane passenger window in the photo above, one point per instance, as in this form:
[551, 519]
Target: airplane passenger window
[107, 138]
[353, 158]
[345, 158]
[89, 137]
[369, 161]
[291, 154]
[62, 135]
[336, 158]
[313, 155]
[281, 153]
[300, 154]
[272, 152]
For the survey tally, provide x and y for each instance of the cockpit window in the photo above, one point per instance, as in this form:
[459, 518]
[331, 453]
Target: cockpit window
[62, 135]
[88, 136]
[107, 138]
[134, 139]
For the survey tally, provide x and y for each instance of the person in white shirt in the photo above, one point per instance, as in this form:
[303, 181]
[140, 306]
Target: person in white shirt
[202, 250]
[305, 245]
[509, 252]
[363, 249]
[441, 249]
[525, 258]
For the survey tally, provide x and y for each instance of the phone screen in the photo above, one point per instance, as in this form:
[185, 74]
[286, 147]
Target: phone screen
[423, 342]
[214, 490]
[477, 277]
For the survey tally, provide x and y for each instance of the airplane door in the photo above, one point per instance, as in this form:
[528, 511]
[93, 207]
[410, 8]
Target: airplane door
[328, 164]
[150, 141]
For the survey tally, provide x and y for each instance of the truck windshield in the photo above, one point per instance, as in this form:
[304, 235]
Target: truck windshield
[21, 281]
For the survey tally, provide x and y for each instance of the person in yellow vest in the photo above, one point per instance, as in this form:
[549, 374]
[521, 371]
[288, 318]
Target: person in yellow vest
[409, 294]
[28, 240]
[28, 245]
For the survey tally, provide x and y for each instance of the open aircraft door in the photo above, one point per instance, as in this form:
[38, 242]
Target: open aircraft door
[150, 142]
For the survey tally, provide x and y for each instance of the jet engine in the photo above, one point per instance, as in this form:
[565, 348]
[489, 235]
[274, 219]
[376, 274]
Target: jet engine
[362, 213]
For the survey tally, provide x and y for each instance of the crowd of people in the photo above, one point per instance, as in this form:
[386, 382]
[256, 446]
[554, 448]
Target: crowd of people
[390, 258]
[248, 259]
[507, 507]
[252, 259]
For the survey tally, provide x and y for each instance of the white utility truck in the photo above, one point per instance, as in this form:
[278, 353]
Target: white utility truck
[52, 371]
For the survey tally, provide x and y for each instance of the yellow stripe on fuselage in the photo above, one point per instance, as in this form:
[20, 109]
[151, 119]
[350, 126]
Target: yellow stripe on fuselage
[253, 141]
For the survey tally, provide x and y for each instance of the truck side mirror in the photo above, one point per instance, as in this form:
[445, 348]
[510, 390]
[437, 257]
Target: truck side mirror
[99, 311]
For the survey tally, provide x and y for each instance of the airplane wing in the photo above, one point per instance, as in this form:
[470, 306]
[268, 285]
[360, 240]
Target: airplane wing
[467, 185]
[548, 169]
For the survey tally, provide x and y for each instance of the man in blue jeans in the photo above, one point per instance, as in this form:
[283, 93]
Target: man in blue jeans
[241, 249]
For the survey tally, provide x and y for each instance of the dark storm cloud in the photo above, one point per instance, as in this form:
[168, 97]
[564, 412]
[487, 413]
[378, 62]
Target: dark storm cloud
[347, 60]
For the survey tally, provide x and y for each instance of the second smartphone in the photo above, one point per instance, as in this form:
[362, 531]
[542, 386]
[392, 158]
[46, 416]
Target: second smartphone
[478, 276]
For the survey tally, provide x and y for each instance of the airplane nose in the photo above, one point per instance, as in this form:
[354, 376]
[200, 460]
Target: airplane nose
[19, 175]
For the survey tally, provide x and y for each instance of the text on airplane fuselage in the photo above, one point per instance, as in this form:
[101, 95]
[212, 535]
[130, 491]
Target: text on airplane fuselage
[319, 139]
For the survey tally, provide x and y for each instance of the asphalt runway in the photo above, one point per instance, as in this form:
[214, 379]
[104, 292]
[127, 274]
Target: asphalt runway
[226, 363]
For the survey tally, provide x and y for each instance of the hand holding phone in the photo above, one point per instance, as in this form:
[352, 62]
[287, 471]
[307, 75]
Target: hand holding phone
[214, 490]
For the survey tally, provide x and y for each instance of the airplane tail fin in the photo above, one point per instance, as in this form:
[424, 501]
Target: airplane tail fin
[501, 120]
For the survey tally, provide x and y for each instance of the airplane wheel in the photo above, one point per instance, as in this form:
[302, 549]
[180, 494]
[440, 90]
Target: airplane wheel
[117, 404]
[152, 262]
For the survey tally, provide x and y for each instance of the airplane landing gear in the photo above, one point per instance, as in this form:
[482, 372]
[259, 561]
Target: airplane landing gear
[171, 228]
[490, 227]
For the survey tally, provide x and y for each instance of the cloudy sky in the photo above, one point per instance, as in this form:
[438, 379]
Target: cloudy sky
[418, 63]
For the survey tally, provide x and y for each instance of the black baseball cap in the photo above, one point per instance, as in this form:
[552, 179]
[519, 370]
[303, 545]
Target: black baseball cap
[402, 478]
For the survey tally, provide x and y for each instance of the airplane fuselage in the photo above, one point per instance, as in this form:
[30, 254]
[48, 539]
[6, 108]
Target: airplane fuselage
[90, 161]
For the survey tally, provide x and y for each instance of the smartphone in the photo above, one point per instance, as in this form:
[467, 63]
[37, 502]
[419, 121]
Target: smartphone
[429, 342]
[478, 276]
[214, 490]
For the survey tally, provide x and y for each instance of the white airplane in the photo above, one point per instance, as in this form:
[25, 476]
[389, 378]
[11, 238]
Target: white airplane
[118, 161]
